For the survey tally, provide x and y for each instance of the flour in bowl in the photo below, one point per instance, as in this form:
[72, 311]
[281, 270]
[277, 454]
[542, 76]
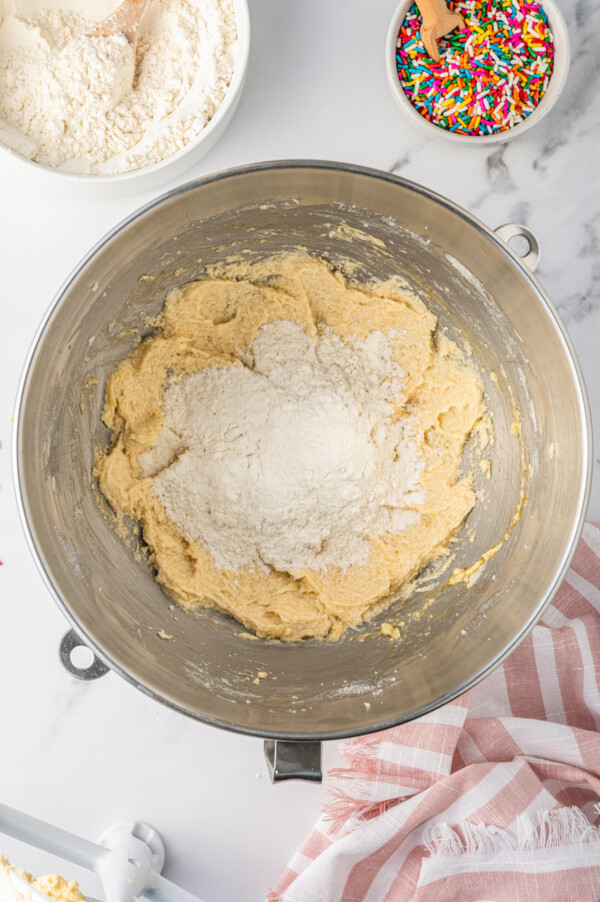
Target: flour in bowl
[90, 104]
[291, 460]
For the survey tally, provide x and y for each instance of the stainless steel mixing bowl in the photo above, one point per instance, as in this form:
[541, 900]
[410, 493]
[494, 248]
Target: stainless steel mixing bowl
[478, 289]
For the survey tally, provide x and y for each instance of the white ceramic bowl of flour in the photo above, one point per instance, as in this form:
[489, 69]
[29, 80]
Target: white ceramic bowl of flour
[183, 145]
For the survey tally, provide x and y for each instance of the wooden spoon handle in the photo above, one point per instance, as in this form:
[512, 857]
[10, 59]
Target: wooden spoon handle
[124, 20]
[438, 21]
[432, 10]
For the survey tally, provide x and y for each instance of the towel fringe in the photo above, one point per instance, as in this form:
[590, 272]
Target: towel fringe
[363, 758]
[346, 812]
[552, 828]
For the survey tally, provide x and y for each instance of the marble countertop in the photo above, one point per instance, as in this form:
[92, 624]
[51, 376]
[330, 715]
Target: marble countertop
[87, 755]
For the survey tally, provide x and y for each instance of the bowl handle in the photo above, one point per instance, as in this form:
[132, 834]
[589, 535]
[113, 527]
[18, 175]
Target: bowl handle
[293, 760]
[514, 230]
[94, 670]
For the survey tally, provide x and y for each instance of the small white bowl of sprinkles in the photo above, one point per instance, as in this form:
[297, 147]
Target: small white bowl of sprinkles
[495, 80]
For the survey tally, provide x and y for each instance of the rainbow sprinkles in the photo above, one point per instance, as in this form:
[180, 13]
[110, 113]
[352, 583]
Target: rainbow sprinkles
[491, 75]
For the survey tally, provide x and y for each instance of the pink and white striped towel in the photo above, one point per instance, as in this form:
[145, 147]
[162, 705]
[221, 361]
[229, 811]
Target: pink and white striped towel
[495, 796]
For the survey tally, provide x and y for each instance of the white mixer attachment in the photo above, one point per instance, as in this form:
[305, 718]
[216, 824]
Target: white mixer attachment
[128, 859]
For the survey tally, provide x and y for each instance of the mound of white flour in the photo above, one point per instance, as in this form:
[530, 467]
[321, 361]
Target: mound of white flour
[87, 104]
[290, 460]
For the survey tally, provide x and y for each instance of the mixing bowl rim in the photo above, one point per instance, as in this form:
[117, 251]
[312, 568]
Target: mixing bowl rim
[181, 190]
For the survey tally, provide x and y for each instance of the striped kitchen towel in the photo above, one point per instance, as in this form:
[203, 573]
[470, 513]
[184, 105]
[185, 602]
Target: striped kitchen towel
[495, 796]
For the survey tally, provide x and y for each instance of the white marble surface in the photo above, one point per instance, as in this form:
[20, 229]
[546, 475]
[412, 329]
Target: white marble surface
[85, 756]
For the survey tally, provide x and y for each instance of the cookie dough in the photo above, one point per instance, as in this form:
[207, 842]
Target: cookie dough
[16, 885]
[209, 323]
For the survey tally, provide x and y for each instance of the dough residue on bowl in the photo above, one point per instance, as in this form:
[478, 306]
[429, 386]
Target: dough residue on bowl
[93, 105]
[291, 444]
